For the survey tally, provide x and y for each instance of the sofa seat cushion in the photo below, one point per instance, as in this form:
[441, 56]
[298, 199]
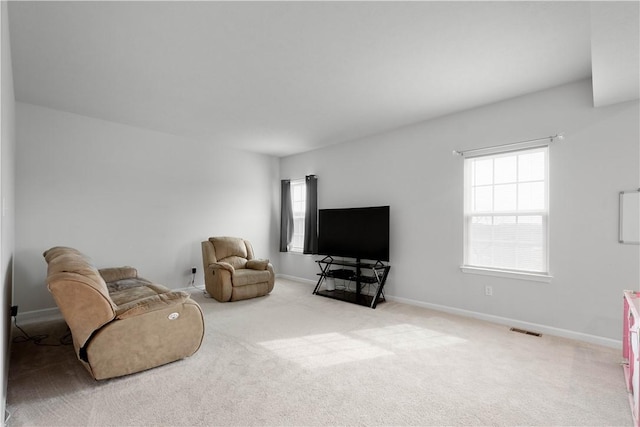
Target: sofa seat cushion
[247, 276]
[152, 303]
[136, 293]
[123, 284]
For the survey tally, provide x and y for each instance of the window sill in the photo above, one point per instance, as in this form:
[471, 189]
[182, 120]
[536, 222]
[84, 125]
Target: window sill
[535, 277]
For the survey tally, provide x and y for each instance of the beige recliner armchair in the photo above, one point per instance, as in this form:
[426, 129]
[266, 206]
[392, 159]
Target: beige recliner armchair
[231, 272]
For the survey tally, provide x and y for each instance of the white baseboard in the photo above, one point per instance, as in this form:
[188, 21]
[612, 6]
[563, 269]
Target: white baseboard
[549, 330]
[296, 279]
[37, 316]
[190, 289]
[50, 314]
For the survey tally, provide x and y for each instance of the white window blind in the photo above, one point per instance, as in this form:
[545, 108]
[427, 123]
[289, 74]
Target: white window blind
[506, 211]
[298, 203]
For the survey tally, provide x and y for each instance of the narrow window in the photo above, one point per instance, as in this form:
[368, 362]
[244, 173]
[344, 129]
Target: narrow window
[506, 211]
[298, 202]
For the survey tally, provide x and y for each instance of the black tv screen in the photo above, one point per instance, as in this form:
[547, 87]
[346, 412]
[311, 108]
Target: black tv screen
[361, 233]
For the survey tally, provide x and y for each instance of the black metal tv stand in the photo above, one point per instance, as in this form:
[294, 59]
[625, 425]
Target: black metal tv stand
[376, 277]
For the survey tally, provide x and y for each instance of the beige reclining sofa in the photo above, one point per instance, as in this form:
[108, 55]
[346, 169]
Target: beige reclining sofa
[121, 323]
[232, 273]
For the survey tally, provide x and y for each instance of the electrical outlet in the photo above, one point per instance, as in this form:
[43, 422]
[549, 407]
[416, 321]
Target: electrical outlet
[14, 310]
[488, 291]
[193, 270]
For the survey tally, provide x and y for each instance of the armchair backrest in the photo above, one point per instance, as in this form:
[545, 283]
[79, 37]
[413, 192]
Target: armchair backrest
[79, 291]
[232, 250]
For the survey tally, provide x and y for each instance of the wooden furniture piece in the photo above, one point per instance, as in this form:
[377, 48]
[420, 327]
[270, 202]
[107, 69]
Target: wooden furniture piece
[631, 350]
[362, 273]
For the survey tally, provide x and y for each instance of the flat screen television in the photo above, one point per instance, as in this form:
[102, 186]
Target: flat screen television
[361, 233]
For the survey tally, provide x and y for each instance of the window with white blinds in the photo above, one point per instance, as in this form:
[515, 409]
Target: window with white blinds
[298, 203]
[506, 211]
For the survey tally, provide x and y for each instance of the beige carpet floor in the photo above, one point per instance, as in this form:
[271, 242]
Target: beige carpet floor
[293, 358]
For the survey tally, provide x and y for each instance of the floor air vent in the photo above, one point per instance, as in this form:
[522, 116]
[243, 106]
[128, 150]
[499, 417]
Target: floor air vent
[524, 331]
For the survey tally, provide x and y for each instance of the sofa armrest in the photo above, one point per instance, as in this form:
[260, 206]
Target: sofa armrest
[222, 266]
[154, 338]
[149, 304]
[118, 273]
[257, 264]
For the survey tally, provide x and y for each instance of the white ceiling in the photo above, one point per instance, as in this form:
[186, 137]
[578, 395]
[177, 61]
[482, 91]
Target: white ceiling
[286, 77]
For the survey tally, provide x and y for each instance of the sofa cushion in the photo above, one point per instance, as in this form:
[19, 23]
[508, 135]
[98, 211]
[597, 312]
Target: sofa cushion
[235, 261]
[80, 292]
[257, 264]
[121, 285]
[249, 277]
[62, 250]
[71, 263]
[152, 303]
[118, 273]
[127, 295]
[61, 259]
[229, 246]
[135, 293]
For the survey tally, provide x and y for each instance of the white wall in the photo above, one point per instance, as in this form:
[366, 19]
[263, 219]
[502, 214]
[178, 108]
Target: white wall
[7, 182]
[129, 196]
[413, 170]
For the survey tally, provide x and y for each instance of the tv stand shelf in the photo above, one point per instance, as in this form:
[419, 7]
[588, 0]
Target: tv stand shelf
[376, 276]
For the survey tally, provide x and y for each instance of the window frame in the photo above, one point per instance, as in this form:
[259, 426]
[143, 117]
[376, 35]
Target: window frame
[469, 213]
[298, 215]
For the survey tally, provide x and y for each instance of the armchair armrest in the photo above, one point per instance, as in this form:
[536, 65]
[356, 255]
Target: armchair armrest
[222, 266]
[258, 264]
[149, 304]
[118, 273]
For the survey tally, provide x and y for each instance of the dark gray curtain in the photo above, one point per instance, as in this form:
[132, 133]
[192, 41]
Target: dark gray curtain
[286, 215]
[311, 216]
